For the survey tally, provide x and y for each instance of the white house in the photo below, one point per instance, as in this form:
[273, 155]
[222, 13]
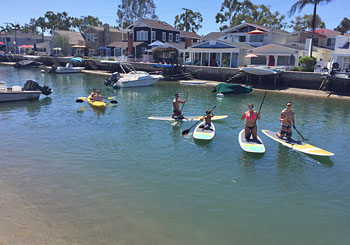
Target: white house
[341, 54]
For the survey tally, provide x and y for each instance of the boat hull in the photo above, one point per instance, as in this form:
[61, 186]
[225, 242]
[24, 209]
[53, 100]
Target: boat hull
[65, 71]
[18, 96]
[260, 71]
[136, 83]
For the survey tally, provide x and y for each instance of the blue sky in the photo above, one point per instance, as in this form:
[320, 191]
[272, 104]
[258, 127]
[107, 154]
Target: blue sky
[20, 11]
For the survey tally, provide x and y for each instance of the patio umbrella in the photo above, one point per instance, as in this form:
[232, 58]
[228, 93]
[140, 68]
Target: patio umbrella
[156, 43]
[251, 56]
[256, 32]
[1, 43]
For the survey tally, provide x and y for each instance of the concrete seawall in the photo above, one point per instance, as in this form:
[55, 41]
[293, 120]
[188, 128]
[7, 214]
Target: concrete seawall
[292, 79]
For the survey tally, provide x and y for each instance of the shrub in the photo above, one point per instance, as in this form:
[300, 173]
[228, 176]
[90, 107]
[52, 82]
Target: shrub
[31, 52]
[308, 63]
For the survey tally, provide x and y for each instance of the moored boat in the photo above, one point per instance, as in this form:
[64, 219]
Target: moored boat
[260, 70]
[232, 88]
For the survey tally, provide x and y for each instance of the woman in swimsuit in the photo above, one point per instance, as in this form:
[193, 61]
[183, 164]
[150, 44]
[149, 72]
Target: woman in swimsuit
[250, 127]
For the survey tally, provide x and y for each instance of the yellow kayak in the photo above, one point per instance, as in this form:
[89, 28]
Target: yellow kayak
[96, 104]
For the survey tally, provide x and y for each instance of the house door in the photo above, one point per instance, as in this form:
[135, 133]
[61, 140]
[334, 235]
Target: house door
[271, 60]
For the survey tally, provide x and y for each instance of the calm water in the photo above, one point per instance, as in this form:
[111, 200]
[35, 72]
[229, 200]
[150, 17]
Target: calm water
[118, 178]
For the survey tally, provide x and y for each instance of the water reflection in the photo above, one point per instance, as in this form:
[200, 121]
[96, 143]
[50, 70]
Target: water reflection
[29, 105]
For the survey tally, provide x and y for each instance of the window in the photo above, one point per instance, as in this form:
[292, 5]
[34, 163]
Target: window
[346, 63]
[170, 37]
[283, 60]
[242, 39]
[91, 37]
[153, 35]
[163, 36]
[261, 60]
[177, 37]
[256, 38]
[330, 42]
[142, 35]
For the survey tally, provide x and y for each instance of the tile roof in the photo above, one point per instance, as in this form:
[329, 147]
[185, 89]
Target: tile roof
[189, 34]
[101, 28]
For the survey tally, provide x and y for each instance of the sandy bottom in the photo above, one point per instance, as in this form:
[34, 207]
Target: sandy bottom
[22, 223]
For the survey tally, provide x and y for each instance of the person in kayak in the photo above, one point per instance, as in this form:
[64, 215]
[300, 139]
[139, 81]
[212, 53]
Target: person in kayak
[286, 118]
[208, 116]
[250, 127]
[93, 94]
[97, 97]
[177, 113]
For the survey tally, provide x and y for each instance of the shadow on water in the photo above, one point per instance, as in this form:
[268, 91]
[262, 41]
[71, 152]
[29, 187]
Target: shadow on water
[29, 105]
[248, 158]
[325, 161]
[201, 142]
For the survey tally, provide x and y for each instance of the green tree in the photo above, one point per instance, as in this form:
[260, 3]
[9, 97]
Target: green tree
[344, 26]
[130, 11]
[189, 21]
[236, 12]
[301, 23]
[300, 4]
[59, 21]
[84, 23]
[31, 27]
[41, 22]
[61, 41]
[308, 63]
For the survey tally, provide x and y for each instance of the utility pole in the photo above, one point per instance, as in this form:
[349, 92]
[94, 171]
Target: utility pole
[186, 20]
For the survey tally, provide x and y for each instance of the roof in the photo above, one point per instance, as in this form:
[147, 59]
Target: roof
[261, 27]
[327, 32]
[318, 34]
[123, 44]
[156, 24]
[189, 34]
[221, 44]
[212, 35]
[178, 46]
[20, 34]
[74, 38]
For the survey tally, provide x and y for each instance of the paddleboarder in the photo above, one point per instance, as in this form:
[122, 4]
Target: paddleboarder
[286, 119]
[250, 127]
[208, 115]
[177, 113]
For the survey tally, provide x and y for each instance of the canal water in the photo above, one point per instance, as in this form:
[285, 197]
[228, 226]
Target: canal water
[115, 177]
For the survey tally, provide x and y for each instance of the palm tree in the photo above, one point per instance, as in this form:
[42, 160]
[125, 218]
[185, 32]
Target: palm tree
[300, 4]
[40, 22]
[15, 27]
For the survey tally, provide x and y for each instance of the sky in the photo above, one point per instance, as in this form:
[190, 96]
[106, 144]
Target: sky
[20, 11]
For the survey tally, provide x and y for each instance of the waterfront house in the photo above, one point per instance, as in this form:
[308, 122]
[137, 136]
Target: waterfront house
[217, 53]
[98, 38]
[322, 37]
[76, 43]
[189, 38]
[255, 35]
[149, 31]
[341, 54]
[11, 40]
[212, 36]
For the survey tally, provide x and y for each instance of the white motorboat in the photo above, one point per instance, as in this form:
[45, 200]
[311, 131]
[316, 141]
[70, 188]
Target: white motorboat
[67, 69]
[131, 77]
[16, 93]
[260, 70]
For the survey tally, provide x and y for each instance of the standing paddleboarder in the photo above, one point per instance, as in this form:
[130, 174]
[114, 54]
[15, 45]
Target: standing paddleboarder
[177, 113]
[250, 127]
[287, 121]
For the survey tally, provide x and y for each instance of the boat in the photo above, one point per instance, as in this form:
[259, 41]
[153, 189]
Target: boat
[131, 77]
[298, 145]
[30, 91]
[252, 146]
[195, 82]
[187, 118]
[260, 70]
[204, 134]
[27, 64]
[231, 88]
[96, 104]
[66, 69]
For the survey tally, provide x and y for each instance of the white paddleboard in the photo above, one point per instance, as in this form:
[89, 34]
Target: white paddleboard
[187, 118]
[204, 134]
[253, 146]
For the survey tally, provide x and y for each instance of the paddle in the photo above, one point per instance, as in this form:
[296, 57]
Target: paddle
[184, 102]
[83, 99]
[262, 102]
[296, 130]
[185, 132]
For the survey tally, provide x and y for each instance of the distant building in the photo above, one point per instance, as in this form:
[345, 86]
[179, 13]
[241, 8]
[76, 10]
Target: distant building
[341, 54]
[23, 38]
[76, 42]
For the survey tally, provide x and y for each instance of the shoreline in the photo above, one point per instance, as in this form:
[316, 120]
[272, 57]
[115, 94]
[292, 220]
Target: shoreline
[287, 90]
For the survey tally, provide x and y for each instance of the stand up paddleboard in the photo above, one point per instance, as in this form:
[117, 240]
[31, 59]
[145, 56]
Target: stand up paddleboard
[253, 146]
[204, 134]
[298, 145]
[187, 118]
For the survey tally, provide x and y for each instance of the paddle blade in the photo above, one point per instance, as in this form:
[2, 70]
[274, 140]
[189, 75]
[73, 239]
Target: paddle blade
[110, 98]
[185, 132]
[79, 101]
[114, 102]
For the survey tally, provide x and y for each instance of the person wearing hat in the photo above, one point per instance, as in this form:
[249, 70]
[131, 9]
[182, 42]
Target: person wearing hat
[177, 113]
[250, 127]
